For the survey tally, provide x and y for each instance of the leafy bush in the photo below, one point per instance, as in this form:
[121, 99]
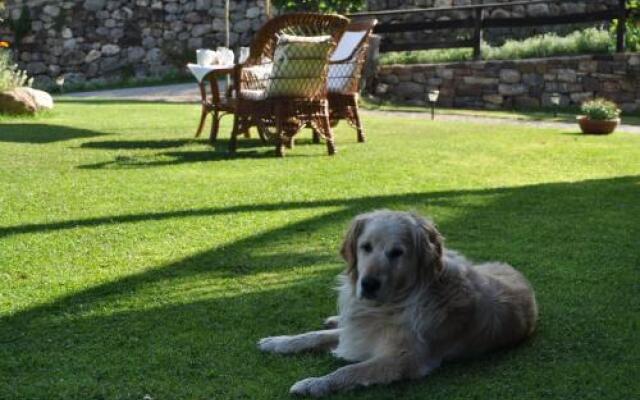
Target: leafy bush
[337, 6]
[632, 37]
[585, 41]
[10, 76]
[600, 109]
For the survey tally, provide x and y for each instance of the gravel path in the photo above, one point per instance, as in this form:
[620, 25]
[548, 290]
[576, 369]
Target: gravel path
[189, 93]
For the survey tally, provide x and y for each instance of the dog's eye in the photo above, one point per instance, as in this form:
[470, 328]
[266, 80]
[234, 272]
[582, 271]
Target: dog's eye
[366, 247]
[395, 253]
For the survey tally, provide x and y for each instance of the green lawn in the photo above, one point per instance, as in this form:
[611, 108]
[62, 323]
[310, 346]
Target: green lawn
[137, 261]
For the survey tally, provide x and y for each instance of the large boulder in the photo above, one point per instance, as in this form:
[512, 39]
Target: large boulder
[42, 99]
[17, 101]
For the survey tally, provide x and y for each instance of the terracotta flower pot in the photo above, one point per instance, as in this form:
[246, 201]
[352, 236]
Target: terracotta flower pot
[597, 127]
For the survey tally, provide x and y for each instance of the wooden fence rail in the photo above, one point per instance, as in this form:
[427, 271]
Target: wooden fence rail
[478, 22]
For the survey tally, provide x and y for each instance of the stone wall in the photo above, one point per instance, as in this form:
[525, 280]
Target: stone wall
[494, 36]
[107, 40]
[518, 84]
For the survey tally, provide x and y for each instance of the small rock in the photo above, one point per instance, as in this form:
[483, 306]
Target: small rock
[500, 13]
[200, 30]
[135, 54]
[479, 80]
[172, 8]
[512, 90]
[382, 88]
[203, 5]
[94, 5]
[579, 97]
[92, 56]
[567, 75]
[36, 68]
[242, 26]
[409, 90]
[538, 10]
[493, 98]
[66, 33]
[69, 44]
[510, 76]
[253, 12]
[51, 10]
[110, 49]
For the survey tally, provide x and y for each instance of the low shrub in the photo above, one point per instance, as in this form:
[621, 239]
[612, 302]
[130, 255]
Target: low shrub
[600, 109]
[10, 75]
[587, 41]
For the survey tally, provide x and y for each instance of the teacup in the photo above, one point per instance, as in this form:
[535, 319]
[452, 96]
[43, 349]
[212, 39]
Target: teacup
[206, 57]
[244, 54]
[225, 55]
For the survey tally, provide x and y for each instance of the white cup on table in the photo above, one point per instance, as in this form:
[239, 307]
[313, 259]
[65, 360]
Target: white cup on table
[244, 54]
[206, 56]
[225, 55]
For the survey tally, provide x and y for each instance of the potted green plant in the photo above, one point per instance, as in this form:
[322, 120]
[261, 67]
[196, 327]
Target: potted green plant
[600, 116]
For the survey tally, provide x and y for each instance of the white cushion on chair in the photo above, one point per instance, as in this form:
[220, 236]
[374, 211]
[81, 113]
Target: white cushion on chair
[299, 64]
[347, 45]
[340, 75]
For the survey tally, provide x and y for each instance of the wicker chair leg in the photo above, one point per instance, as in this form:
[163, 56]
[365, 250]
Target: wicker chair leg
[233, 142]
[280, 141]
[203, 118]
[316, 136]
[359, 128]
[290, 143]
[215, 127]
[280, 148]
[328, 135]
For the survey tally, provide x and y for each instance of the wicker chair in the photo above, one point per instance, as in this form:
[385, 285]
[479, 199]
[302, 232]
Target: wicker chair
[282, 87]
[345, 75]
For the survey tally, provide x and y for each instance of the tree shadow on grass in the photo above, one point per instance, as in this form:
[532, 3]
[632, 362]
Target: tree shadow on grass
[43, 133]
[247, 150]
[576, 242]
[141, 144]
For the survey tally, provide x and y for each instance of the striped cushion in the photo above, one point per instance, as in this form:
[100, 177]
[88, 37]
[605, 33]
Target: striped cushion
[299, 65]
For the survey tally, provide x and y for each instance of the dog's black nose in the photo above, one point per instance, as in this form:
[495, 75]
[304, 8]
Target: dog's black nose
[369, 286]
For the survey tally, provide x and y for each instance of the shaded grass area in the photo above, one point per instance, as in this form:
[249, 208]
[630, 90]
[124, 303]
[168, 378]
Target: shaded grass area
[138, 261]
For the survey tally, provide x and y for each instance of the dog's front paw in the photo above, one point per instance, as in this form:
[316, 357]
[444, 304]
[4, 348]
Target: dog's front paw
[275, 344]
[331, 322]
[315, 387]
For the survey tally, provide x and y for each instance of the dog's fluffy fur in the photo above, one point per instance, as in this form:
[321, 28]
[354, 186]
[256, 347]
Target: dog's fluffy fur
[429, 305]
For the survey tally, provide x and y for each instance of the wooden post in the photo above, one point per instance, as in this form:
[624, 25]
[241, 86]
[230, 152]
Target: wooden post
[227, 22]
[622, 25]
[477, 33]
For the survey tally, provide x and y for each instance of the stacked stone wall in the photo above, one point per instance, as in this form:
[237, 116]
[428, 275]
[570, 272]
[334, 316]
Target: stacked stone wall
[108, 40]
[517, 84]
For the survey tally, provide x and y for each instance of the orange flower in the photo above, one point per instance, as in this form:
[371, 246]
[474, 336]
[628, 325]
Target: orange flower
[4, 44]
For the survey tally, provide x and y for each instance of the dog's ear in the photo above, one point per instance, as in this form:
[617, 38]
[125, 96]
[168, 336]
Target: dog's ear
[349, 250]
[429, 245]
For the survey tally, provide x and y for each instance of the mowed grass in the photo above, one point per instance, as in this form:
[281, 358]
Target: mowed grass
[135, 260]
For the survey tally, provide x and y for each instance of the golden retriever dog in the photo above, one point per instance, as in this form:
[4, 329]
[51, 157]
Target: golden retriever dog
[406, 304]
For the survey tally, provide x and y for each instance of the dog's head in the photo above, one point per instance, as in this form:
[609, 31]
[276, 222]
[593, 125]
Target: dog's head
[388, 253]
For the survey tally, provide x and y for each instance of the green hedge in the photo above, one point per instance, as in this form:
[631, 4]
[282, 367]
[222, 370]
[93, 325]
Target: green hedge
[587, 41]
